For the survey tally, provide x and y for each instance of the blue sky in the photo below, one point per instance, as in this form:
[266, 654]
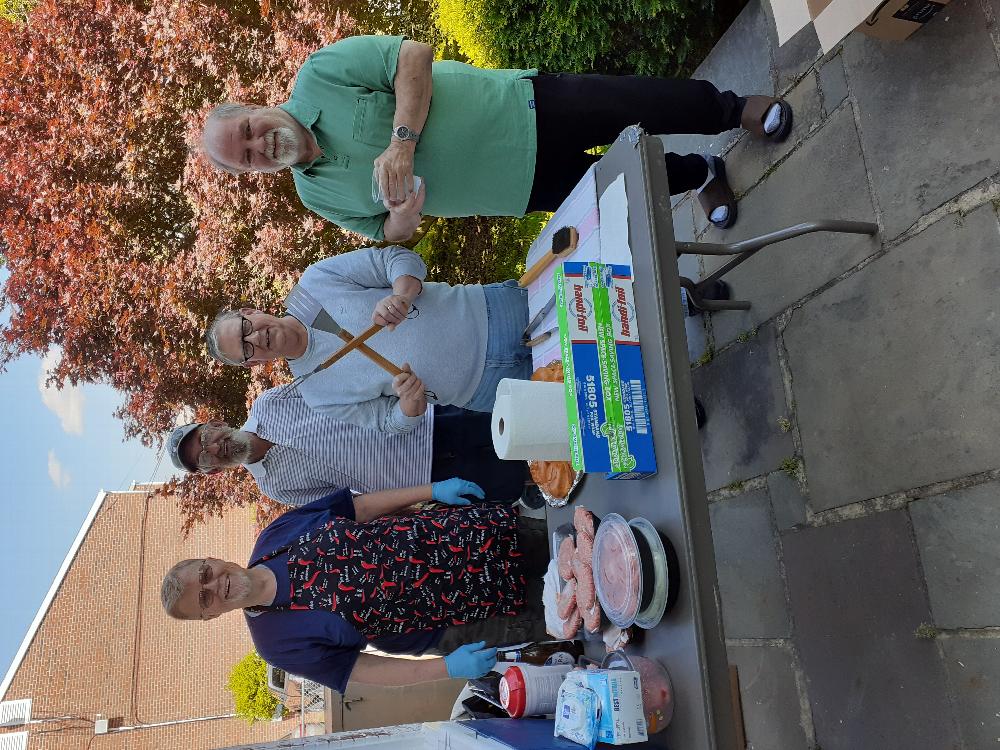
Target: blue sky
[58, 449]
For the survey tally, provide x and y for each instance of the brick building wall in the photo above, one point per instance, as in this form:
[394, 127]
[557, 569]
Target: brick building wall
[106, 647]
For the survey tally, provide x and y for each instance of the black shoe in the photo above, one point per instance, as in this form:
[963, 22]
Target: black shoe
[532, 497]
[717, 290]
[717, 193]
[699, 413]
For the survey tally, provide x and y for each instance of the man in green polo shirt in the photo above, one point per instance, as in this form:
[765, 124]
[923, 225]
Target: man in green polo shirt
[369, 112]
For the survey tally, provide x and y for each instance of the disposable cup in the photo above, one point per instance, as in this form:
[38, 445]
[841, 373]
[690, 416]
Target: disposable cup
[377, 189]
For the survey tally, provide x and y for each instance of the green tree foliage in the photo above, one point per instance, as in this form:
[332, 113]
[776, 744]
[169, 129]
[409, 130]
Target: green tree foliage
[248, 684]
[16, 11]
[644, 37]
[477, 249]
[410, 18]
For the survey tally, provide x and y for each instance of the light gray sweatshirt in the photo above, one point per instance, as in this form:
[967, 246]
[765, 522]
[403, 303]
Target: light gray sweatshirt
[444, 341]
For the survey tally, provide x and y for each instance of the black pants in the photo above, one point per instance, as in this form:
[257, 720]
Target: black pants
[577, 112]
[463, 447]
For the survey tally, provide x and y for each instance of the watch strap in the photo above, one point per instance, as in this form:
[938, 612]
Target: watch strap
[405, 133]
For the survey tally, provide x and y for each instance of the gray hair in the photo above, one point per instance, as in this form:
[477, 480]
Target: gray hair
[229, 110]
[172, 588]
[220, 113]
[212, 337]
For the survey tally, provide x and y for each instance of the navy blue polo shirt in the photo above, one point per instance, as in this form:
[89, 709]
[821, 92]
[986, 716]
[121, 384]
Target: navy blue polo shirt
[316, 644]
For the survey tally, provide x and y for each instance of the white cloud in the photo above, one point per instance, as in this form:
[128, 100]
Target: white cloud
[65, 403]
[59, 476]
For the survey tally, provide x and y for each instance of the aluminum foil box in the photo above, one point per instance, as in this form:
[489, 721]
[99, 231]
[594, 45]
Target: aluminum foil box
[606, 405]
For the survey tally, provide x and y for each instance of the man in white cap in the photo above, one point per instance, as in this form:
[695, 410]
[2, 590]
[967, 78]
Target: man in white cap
[297, 455]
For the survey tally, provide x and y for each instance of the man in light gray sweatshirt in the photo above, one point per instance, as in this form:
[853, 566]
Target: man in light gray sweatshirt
[454, 343]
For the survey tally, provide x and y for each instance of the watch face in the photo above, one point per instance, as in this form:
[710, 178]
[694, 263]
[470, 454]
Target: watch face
[403, 133]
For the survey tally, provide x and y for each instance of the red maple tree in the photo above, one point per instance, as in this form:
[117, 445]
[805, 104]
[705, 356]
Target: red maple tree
[121, 242]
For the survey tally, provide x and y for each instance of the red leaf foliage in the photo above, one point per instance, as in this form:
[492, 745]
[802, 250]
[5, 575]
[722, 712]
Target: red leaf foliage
[121, 241]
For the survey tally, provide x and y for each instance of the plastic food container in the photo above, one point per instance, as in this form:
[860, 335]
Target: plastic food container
[558, 535]
[657, 691]
[660, 573]
[618, 571]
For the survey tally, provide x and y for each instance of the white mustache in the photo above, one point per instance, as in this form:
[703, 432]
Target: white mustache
[281, 145]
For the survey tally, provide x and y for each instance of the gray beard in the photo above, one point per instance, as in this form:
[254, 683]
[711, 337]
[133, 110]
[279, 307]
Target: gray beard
[283, 144]
[241, 447]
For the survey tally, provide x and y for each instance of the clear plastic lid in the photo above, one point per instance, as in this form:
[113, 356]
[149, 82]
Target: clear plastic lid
[617, 573]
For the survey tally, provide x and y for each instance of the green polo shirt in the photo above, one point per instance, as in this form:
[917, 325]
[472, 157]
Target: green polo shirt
[476, 151]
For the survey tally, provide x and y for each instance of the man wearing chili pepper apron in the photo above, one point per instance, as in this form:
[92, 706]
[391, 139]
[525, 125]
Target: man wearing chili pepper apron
[328, 578]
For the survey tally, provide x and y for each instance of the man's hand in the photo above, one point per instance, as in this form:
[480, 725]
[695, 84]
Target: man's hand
[394, 171]
[412, 204]
[470, 661]
[450, 491]
[410, 389]
[404, 218]
[391, 311]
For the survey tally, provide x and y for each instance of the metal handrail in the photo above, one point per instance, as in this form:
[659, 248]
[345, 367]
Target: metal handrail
[745, 249]
[756, 243]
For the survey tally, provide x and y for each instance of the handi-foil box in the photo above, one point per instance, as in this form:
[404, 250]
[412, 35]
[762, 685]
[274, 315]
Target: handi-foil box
[606, 405]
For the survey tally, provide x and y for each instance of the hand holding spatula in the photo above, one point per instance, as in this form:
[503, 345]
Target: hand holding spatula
[306, 308]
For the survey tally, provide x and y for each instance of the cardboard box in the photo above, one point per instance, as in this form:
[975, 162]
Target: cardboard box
[835, 19]
[606, 405]
[620, 694]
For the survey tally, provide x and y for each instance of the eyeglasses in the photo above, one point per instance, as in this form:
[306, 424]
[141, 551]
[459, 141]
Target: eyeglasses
[246, 328]
[206, 461]
[204, 576]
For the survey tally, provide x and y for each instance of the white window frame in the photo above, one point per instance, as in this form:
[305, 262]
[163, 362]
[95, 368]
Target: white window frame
[15, 713]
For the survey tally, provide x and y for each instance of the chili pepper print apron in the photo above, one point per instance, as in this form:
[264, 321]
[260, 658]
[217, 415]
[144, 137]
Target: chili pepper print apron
[401, 574]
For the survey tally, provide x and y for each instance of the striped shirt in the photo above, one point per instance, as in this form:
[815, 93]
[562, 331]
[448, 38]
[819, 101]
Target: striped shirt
[314, 454]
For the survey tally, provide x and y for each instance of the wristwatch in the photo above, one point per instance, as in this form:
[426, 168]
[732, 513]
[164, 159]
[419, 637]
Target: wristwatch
[403, 133]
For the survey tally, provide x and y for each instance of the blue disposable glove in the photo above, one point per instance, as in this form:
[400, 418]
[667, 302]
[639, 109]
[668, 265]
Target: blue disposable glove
[470, 661]
[450, 491]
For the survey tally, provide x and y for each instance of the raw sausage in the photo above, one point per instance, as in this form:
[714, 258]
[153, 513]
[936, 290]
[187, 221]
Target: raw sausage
[566, 600]
[592, 618]
[585, 547]
[584, 574]
[565, 558]
[583, 520]
[573, 623]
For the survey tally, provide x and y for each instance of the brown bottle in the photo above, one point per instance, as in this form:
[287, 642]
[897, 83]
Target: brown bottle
[542, 652]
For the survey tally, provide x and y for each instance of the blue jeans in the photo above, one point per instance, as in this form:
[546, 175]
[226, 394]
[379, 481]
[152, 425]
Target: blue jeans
[506, 354]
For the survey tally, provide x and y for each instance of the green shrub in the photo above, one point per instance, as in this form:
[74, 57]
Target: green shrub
[478, 250]
[645, 37]
[16, 11]
[248, 684]
[466, 23]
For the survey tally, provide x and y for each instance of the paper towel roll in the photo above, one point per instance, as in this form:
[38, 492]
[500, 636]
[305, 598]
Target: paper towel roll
[529, 421]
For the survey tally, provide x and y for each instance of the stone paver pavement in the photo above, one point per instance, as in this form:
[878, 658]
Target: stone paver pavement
[851, 450]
